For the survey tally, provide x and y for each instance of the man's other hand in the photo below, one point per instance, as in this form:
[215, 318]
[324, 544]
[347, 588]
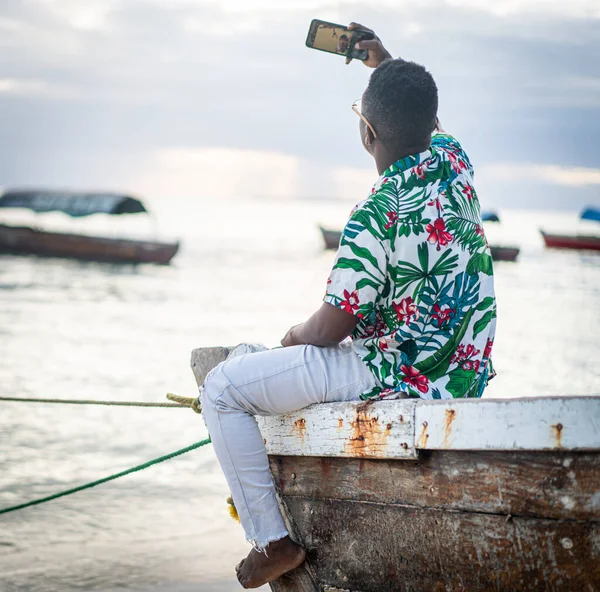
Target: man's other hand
[377, 53]
[288, 340]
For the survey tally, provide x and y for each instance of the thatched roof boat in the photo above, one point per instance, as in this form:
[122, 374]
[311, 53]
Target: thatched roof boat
[24, 240]
[459, 495]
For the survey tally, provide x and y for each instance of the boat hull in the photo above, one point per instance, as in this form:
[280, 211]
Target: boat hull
[452, 520]
[499, 253]
[22, 240]
[564, 241]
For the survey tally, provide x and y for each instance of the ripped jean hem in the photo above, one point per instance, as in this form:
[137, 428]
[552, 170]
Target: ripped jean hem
[262, 546]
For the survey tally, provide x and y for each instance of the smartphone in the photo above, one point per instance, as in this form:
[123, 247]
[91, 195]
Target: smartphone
[337, 39]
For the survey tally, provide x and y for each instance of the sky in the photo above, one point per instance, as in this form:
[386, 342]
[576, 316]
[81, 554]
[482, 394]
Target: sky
[216, 99]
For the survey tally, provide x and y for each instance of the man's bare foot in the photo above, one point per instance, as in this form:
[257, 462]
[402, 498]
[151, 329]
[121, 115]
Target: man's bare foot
[259, 569]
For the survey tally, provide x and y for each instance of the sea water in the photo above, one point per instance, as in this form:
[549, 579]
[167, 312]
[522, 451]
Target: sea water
[247, 271]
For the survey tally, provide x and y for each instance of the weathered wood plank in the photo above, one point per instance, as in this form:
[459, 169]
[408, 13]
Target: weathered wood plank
[534, 423]
[370, 547]
[204, 359]
[303, 578]
[558, 485]
[361, 430]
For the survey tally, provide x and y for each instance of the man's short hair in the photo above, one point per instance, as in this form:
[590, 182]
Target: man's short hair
[343, 36]
[401, 104]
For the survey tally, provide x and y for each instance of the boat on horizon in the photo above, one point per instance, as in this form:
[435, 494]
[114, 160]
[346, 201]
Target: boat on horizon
[571, 241]
[589, 242]
[498, 252]
[26, 240]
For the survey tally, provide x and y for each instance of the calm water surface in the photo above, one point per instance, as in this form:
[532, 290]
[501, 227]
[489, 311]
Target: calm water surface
[247, 271]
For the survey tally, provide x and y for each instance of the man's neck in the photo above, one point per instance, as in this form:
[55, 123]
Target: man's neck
[384, 159]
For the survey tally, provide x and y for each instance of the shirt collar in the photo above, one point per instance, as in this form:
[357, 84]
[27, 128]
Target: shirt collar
[408, 162]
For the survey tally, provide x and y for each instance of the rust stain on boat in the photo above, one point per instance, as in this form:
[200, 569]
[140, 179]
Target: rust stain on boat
[367, 436]
[450, 416]
[557, 429]
[340, 423]
[300, 428]
[422, 441]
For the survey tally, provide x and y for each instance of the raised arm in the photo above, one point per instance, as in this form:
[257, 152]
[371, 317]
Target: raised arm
[377, 53]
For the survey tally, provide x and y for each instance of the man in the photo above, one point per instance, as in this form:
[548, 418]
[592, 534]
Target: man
[412, 285]
[342, 46]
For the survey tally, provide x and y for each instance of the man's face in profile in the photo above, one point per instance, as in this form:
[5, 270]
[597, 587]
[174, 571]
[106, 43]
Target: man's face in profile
[342, 44]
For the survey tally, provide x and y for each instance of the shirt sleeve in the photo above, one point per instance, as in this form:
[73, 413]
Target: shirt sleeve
[454, 151]
[359, 272]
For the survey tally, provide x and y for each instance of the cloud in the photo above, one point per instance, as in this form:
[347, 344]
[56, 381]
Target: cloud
[547, 174]
[98, 90]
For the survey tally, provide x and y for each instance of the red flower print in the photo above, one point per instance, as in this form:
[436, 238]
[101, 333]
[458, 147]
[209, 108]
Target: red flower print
[468, 191]
[328, 280]
[413, 377]
[350, 304]
[479, 230]
[420, 171]
[383, 346]
[436, 202]
[392, 219]
[438, 233]
[463, 354]
[406, 309]
[487, 351]
[457, 165]
[442, 313]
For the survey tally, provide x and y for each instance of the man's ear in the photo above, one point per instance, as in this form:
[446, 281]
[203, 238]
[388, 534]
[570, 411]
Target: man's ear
[369, 137]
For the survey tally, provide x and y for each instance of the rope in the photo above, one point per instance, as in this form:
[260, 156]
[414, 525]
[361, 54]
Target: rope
[179, 402]
[105, 479]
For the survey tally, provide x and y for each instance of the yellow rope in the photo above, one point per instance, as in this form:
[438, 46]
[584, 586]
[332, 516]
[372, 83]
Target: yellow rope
[179, 402]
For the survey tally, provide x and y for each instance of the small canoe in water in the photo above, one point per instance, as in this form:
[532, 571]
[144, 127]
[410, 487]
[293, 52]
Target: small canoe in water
[468, 495]
[22, 240]
[499, 253]
[571, 241]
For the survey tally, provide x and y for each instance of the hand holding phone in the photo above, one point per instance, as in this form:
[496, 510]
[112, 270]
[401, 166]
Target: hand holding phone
[353, 42]
[337, 39]
[376, 52]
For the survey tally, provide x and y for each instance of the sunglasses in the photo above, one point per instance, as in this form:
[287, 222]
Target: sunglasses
[356, 107]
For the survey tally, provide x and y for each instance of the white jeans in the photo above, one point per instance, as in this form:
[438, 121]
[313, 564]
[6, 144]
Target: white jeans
[270, 382]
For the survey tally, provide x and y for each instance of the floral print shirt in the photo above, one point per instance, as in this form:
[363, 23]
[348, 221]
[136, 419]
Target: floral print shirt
[414, 266]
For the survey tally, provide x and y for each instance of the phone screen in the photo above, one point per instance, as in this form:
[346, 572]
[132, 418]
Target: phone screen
[337, 39]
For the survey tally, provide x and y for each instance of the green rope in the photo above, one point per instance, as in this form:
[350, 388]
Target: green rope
[105, 479]
[94, 402]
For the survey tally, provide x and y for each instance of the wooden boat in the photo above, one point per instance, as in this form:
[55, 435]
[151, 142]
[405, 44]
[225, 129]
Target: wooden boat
[23, 240]
[577, 241]
[499, 253]
[460, 495]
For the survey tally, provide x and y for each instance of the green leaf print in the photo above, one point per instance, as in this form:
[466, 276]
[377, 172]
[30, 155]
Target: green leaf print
[485, 303]
[461, 382]
[480, 263]
[410, 349]
[435, 366]
[345, 263]
[364, 282]
[483, 322]
[361, 252]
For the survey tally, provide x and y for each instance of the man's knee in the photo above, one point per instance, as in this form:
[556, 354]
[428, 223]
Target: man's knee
[216, 385]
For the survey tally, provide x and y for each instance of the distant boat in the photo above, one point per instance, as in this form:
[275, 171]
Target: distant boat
[23, 240]
[490, 216]
[591, 213]
[499, 253]
[571, 241]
